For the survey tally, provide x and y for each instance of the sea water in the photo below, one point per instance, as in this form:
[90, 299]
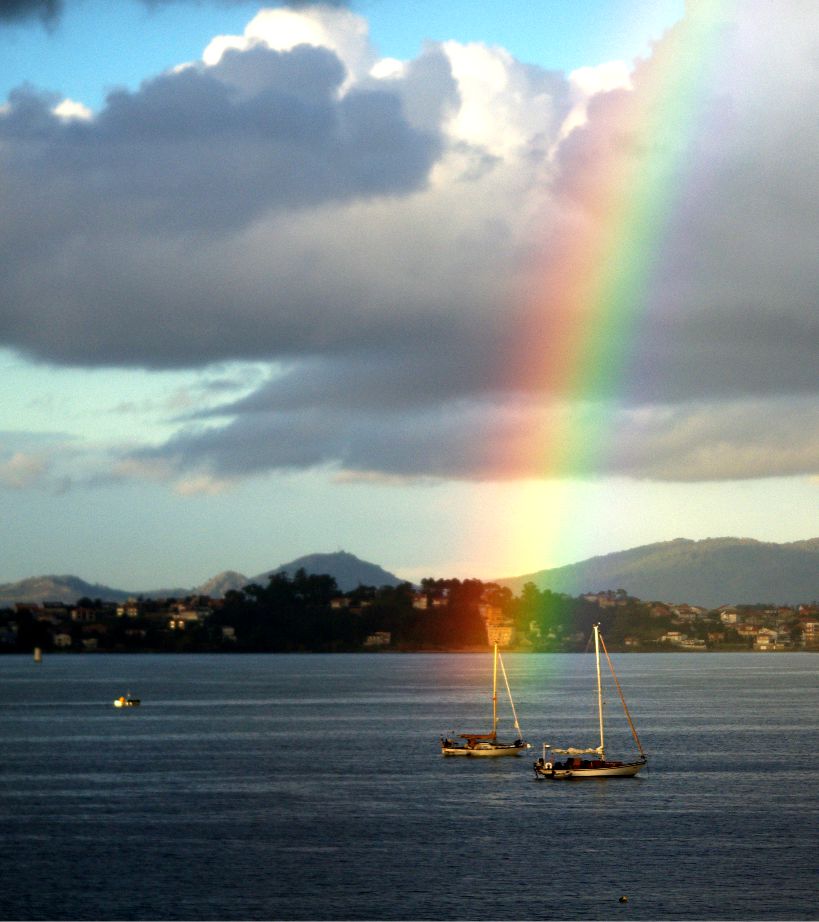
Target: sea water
[312, 787]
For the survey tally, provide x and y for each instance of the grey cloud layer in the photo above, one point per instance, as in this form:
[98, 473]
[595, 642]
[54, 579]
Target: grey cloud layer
[125, 232]
[196, 150]
[486, 441]
[250, 211]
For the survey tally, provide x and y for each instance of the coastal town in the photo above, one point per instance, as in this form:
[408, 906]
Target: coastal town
[308, 613]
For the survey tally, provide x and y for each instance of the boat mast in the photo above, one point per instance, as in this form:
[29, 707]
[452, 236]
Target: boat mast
[623, 700]
[599, 690]
[495, 694]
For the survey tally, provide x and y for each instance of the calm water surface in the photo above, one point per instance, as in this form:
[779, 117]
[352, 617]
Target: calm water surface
[311, 787]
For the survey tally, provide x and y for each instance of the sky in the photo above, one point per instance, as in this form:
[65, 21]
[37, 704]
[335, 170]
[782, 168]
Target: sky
[470, 289]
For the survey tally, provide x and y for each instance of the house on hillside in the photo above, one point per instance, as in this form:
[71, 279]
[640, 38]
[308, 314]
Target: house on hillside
[423, 601]
[25, 608]
[130, 609]
[500, 629]
[766, 639]
[673, 637]
[688, 614]
[378, 639]
[607, 599]
[60, 609]
[182, 619]
[810, 633]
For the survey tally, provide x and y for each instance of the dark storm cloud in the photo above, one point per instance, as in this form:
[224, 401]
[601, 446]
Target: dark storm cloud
[118, 225]
[414, 444]
[493, 440]
[192, 150]
[405, 278]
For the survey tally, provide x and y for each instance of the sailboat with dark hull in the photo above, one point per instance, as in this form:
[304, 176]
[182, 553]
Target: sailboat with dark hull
[569, 763]
[487, 744]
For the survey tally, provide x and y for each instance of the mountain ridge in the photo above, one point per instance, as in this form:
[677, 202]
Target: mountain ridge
[708, 572]
[348, 570]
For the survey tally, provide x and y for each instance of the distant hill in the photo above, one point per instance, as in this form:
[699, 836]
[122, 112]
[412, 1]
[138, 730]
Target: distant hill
[38, 589]
[218, 586]
[348, 570]
[711, 572]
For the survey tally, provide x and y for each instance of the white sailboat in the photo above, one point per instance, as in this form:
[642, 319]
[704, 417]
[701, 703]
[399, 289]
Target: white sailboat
[488, 744]
[569, 764]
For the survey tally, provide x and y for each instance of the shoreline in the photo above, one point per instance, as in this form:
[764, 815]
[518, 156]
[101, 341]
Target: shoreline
[460, 651]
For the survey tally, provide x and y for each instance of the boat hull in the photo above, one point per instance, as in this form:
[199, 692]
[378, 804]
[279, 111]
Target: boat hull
[607, 770]
[487, 745]
[567, 764]
[486, 750]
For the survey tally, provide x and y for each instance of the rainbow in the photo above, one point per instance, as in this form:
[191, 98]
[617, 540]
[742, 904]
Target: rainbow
[598, 279]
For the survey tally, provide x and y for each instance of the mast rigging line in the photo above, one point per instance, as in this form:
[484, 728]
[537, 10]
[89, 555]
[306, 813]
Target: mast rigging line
[509, 692]
[622, 699]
